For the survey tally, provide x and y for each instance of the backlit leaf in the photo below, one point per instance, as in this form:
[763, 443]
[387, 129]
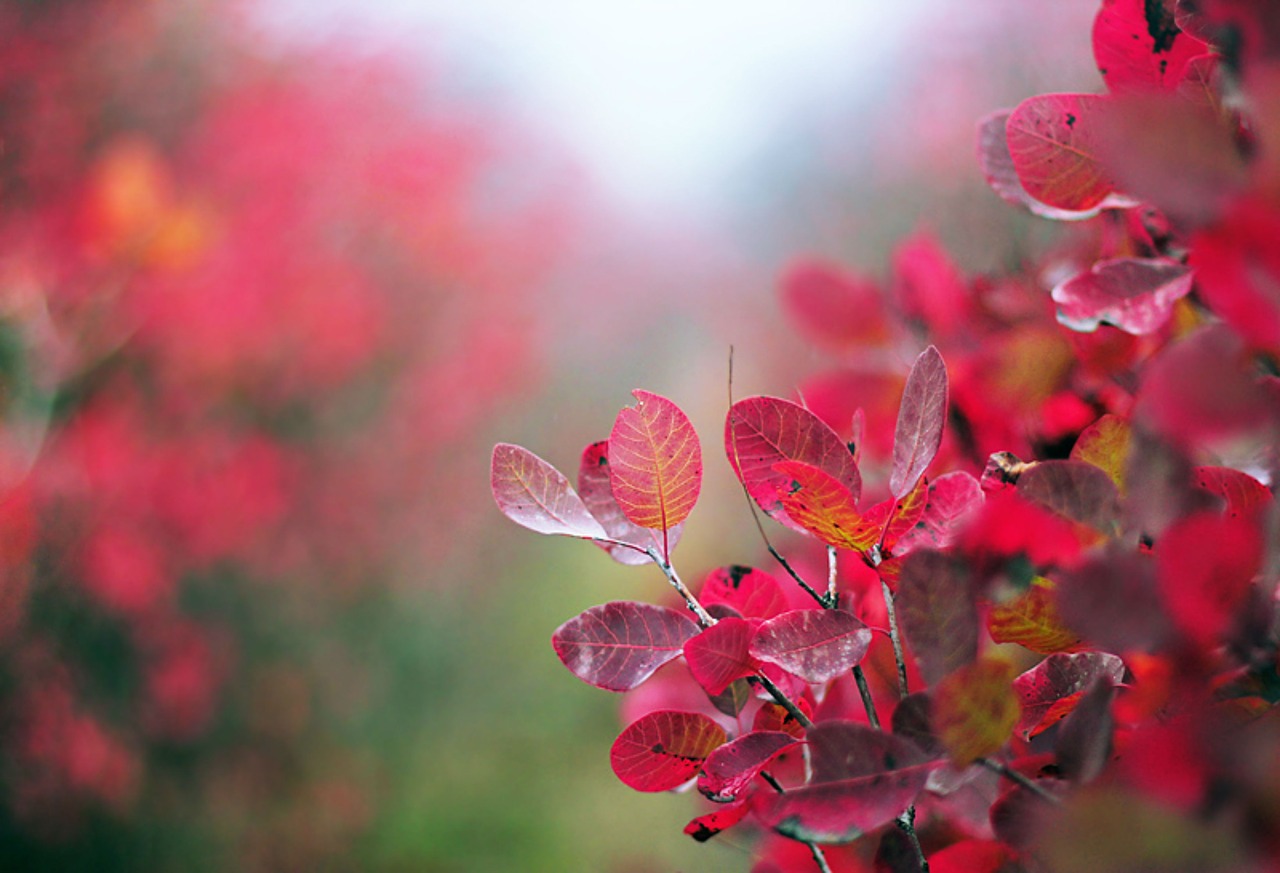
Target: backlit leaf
[815, 644]
[655, 462]
[897, 518]
[825, 507]
[1053, 143]
[618, 645]
[862, 778]
[664, 749]
[998, 169]
[937, 612]
[950, 503]
[1244, 496]
[1031, 619]
[774, 717]
[597, 493]
[536, 495]
[730, 769]
[1134, 294]
[750, 592]
[1138, 46]
[1105, 444]
[1075, 490]
[720, 654]
[759, 432]
[1056, 678]
[975, 710]
[920, 419]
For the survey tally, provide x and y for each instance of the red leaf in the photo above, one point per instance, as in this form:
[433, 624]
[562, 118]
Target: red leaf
[1245, 496]
[1075, 490]
[1113, 602]
[920, 419]
[597, 494]
[759, 432]
[815, 644]
[862, 778]
[1134, 294]
[1056, 678]
[936, 608]
[655, 462]
[1205, 565]
[719, 655]
[618, 645]
[704, 827]
[750, 592]
[837, 310]
[1237, 266]
[975, 710]
[825, 507]
[1053, 142]
[536, 495]
[998, 169]
[774, 717]
[974, 856]
[1139, 47]
[952, 501]
[664, 750]
[730, 769]
[896, 518]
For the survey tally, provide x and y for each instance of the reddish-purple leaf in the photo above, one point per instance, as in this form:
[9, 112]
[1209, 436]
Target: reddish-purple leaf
[862, 778]
[1053, 142]
[1083, 746]
[1113, 602]
[1205, 565]
[1237, 266]
[655, 462]
[897, 518]
[730, 769]
[815, 644]
[704, 827]
[775, 717]
[824, 507]
[1138, 46]
[536, 495]
[1244, 496]
[1058, 677]
[836, 309]
[913, 719]
[997, 168]
[597, 493]
[920, 418]
[750, 592]
[761, 431]
[618, 645]
[938, 613]
[720, 654]
[664, 749]
[950, 503]
[1076, 490]
[1134, 294]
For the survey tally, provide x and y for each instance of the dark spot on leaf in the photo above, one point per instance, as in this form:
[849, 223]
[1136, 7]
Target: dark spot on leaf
[852, 447]
[702, 833]
[657, 749]
[736, 574]
[1071, 119]
[1160, 25]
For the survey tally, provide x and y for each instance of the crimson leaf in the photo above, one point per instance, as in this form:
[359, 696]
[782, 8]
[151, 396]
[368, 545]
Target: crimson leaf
[597, 493]
[664, 749]
[729, 769]
[815, 644]
[719, 655]
[1057, 677]
[920, 418]
[618, 645]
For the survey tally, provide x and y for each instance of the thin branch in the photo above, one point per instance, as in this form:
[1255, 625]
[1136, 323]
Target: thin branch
[782, 700]
[1019, 779]
[868, 703]
[819, 858]
[898, 654]
[832, 569]
[907, 824]
[704, 618]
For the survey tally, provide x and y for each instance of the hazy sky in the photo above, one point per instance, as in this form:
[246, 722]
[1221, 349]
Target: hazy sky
[663, 98]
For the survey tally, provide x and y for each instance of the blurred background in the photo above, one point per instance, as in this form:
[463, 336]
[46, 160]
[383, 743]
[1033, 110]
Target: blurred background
[275, 275]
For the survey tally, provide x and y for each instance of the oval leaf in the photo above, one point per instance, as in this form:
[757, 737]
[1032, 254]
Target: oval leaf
[1032, 620]
[1138, 46]
[759, 432]
[750, 592]
[815, 644]
[862, 778]
[1058, 677]
[1076, 490]
[997, 168]
[729, 769]
[824, 507]
[1105, 444]
[938, 613]
[975, 710]
[704, 827]
[1244, 496]
[1134, 294]
[536, 495]
[720, 654]
[950, 502]
[1084, 741]
[664, 749]
[596, 491]
[655, 462]
[618, 645]
[920, 418]
[1052, 141]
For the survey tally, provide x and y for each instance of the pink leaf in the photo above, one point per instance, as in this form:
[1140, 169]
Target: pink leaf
[720, 654]
[952, 501]
[1244, 496]
[655, 462]
[1134, 294]
[1057, 677]
[920, 419]
[938, 612]
[761, 431]
[730, 769]
[836, 309]
[815, 644]
[1139, 47]
[862, 778]
[1053, 142]
[750, 592]
[536, 495]
[1205, 566]
[998, 169]
[664, 749]
[618, 645]
[597, 493]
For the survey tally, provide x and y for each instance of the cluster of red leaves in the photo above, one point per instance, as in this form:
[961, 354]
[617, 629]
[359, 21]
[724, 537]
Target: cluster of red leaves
[243, 305]
[1069, 662]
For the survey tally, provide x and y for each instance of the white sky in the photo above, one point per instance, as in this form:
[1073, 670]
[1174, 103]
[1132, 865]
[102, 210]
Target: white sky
[662, 98]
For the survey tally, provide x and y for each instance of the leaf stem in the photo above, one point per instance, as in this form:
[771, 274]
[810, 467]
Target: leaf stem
[832, 566]
[782, 700]
[898, 654]
[704, 618]
[907, 824]
[1019, 779]
[868, 703]
[819, 858]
